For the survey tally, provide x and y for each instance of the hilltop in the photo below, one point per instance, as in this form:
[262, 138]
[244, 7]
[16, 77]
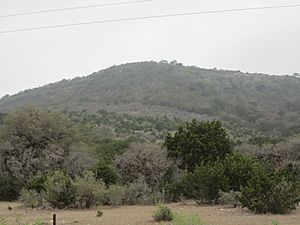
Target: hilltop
[247, 103]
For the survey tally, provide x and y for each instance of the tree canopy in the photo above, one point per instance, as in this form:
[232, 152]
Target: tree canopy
[34, 140]
[198, 142]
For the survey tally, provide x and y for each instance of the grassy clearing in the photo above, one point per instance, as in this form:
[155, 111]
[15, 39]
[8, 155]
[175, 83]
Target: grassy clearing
[142, 215]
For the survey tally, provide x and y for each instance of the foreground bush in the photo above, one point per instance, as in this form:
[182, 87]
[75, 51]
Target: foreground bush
[163, 213]
[271, 193]
[88, 190]
[60, 190]
[229, 198]
[115, 195]
[138, 193]
[204, 183]
[106, 173]
[32, 198]
[239, 169]
[9, 187]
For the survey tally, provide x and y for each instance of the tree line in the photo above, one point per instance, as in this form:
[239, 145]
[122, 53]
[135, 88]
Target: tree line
[46, 158]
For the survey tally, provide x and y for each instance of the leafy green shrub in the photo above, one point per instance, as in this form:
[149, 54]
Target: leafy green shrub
[204, 183]
[271, 192]
[106, 173]
[9, 187]
[37, 183]
[32, 198]
[163, 213]
[86, 190]
[239, 169]
[180, 219]
[60, 190]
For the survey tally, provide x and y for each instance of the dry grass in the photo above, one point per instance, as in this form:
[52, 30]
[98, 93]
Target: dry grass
[142, 215]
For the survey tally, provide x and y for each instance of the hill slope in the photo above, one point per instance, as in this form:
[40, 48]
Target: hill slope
[268, 104]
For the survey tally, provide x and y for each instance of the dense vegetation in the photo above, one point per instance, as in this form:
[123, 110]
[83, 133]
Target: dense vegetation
[125, 136]
[248, 103]
[46, 158]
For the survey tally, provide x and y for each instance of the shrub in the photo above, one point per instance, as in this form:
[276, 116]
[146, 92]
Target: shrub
[32, 198]
[37, 183]
[229, 198]
[60, 190]
[106, 173]
[271, 193]
[101, 195]
[204, 183]
[115, 195]
[86, 190]
[9, 187]
[180, 219]
[239, 169]
[138, 192]
[163, 213]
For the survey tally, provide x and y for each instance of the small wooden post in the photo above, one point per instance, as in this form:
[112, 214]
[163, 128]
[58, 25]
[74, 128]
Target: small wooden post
[54, 219]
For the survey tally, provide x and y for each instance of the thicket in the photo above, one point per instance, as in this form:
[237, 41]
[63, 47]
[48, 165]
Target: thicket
[275, 192]
[61, 191]
[263, 187]
[48, 159]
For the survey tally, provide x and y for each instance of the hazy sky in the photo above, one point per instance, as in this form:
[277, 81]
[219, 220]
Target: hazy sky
[256, 41]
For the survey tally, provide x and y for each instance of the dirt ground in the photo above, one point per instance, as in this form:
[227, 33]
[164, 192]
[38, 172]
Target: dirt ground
[142, 215]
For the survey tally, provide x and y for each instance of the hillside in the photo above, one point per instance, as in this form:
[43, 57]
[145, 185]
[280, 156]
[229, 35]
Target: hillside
[247, 103]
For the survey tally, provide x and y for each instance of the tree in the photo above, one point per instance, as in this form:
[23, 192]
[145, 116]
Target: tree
[34, 141]
[146, 161]
[198, 142]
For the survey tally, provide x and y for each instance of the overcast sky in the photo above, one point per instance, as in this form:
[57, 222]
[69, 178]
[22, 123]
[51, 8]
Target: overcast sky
[264, 41]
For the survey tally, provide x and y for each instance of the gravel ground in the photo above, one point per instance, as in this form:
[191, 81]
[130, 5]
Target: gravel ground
[142, 215]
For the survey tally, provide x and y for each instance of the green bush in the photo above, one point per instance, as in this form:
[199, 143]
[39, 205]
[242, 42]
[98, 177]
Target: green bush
[239, 169]
[163, 213]
[204, 183]
[180, 219]
[271, 193]
[87, 190]
[37, 183]
[106, 173]
[9, 187]
[60, 190]
[32, 198]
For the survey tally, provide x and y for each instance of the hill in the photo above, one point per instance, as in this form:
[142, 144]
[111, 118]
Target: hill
[247, 103]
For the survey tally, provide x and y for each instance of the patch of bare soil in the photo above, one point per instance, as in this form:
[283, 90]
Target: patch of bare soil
[142, 215]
